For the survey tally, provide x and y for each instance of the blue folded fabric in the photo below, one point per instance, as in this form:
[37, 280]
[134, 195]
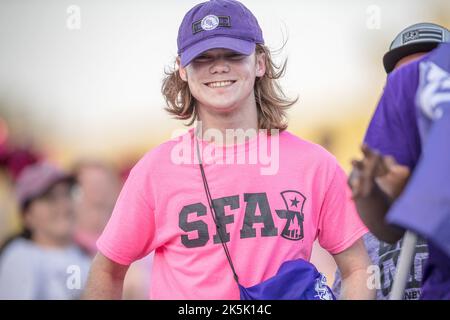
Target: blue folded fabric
[295, 280]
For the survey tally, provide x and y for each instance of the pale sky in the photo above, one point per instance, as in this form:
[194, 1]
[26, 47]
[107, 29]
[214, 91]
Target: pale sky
[101, 83]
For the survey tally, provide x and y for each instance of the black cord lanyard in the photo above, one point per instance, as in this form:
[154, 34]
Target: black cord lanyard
[213, 212]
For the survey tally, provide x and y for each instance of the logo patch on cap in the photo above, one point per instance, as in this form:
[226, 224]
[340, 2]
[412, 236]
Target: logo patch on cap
[210, 22]
[425, 34]
[410, 36]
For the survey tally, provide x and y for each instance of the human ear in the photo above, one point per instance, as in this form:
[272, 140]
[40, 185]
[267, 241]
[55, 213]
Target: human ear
[181, 70]
[260, 64]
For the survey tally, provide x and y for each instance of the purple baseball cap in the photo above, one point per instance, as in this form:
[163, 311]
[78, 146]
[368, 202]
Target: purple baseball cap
[37, 179]
[226, 24]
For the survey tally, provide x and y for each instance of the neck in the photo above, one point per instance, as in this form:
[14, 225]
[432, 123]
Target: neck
[46, 242]
[243, 117]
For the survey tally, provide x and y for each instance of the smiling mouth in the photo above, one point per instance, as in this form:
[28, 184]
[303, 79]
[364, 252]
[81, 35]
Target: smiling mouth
[220, 84]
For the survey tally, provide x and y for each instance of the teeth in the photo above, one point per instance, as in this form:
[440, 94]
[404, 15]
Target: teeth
[220, 84]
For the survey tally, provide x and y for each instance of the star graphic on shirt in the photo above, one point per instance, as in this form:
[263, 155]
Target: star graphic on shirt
[294, 202]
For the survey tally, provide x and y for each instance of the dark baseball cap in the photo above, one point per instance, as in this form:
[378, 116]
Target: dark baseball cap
[225, 24]
[35, 180]
[420, 37]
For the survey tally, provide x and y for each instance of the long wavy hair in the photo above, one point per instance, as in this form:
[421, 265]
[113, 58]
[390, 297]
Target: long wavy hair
[271, 101]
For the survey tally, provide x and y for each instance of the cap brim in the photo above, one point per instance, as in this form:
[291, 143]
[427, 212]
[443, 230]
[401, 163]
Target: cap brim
[238, 45]
[391, 58]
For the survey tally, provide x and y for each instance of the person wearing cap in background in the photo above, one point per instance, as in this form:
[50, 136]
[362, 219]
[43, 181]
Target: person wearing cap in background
[97, 188]
[216, 228]
[43, 262]
[409, 45]
[402, 181]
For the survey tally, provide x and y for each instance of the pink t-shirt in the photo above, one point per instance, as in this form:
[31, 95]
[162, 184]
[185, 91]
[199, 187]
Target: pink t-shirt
[269, 217]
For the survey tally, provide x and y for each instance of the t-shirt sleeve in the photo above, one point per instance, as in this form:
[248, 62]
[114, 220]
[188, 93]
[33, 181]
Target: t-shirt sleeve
[393, 129]
[384, 128]
[130, 232]
[339, 223]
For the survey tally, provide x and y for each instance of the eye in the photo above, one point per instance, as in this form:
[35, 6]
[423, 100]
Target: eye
[236, 56]
[201, 59]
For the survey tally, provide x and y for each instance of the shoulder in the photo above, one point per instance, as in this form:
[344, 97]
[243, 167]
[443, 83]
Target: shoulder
[160, 156]
[405, 79]
[18, 251]
[78, 256]
[306, 149]
[77, 252]
[308, 157]
[440, 56]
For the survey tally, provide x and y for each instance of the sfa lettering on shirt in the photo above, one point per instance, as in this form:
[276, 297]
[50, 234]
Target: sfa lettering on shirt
[292, 214]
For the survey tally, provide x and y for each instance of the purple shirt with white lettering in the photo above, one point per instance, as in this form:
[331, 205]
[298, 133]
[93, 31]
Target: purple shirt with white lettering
[399, 128]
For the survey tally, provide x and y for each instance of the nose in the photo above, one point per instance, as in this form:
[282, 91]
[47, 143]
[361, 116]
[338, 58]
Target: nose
[219, 65]
[64, 204]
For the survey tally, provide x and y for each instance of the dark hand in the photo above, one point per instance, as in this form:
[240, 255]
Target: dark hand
[362, 178]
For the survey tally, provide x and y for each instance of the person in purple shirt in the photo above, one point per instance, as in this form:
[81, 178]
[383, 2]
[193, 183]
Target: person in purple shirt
[410, 44]
[410, 131]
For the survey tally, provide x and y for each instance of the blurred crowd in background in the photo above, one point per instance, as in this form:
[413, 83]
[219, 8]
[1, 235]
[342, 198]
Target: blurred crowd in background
[50, 219]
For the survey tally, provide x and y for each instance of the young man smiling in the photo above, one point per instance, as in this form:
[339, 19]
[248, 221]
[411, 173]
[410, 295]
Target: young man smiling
[222, 82]
[225, 79]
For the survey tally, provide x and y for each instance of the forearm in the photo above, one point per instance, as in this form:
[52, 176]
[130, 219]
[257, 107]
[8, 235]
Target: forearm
[101, 286]
[353, 264]
[373, 209]
[355, 287]
[104, 283]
